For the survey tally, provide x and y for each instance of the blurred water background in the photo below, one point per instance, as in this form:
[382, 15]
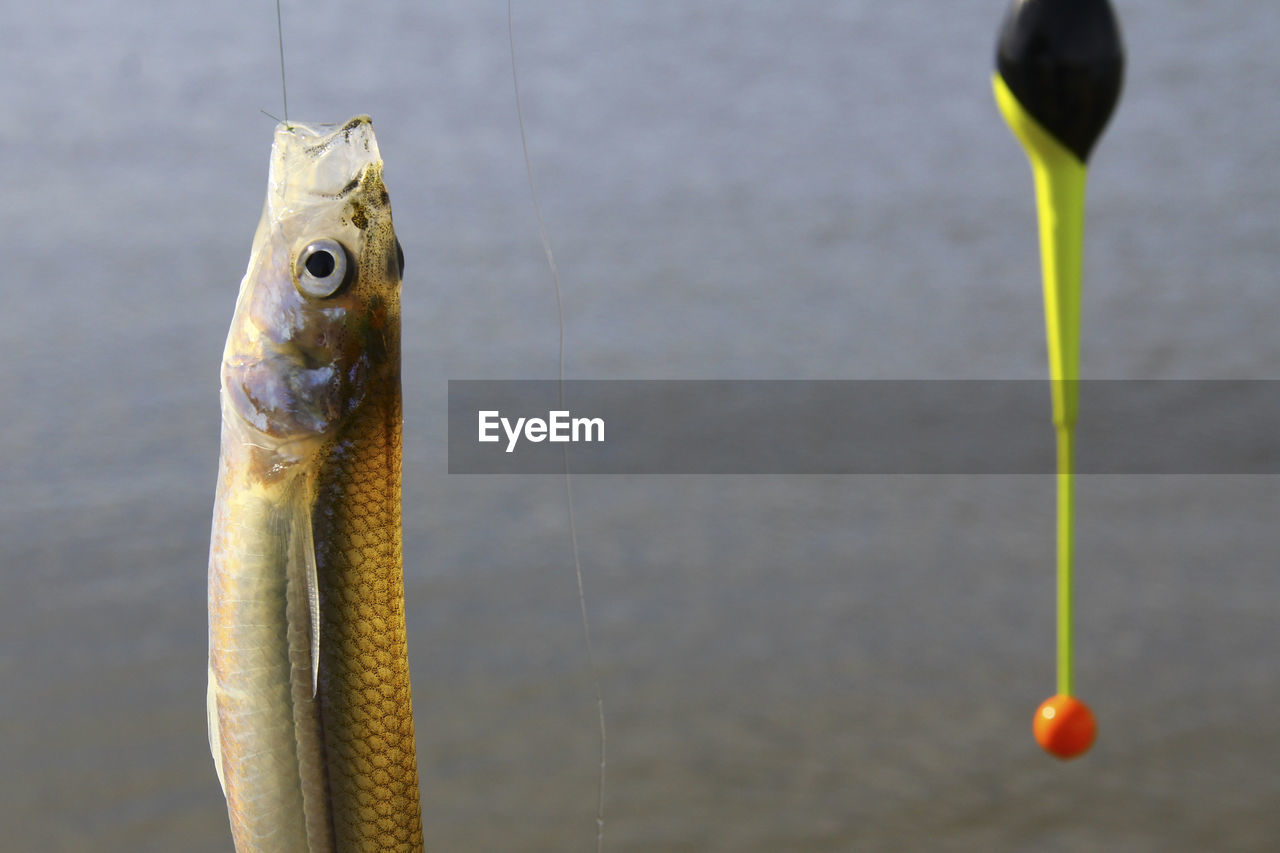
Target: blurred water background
[742, 190]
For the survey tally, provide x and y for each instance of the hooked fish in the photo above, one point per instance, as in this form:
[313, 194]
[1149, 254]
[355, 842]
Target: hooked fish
[309, 703]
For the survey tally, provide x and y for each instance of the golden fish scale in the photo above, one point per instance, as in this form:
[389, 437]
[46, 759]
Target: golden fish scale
[364, 690]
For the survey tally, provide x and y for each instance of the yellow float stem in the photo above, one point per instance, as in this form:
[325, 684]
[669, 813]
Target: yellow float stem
[1066, 502]
[1060, 185]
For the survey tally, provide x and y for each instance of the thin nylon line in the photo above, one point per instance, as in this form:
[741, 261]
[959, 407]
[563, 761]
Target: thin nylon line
[568, 478]
[284, 93]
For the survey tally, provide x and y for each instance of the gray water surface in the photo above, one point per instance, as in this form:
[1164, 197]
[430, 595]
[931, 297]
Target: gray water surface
[809, 190]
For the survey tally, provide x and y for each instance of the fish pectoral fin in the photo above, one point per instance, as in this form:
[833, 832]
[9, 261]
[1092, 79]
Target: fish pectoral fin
[313, 610]
[302, 559]
[215, 738]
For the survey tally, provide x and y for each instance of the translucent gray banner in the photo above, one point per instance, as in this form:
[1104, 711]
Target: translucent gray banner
[858, 427]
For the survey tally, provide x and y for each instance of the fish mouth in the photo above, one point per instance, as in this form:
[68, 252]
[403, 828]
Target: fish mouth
[321, 161]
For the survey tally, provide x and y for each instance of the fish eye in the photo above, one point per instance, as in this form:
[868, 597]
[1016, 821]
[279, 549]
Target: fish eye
[322, 268]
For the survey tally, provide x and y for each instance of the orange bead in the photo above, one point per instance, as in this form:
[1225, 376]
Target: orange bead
[1064, 726]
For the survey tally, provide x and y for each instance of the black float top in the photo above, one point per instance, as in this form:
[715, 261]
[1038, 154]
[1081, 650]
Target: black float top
[1064, 62]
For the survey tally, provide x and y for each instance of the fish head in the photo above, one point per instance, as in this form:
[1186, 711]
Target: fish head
[317, 321]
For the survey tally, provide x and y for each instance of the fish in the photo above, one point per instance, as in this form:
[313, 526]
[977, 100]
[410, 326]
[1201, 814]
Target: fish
[309, 702]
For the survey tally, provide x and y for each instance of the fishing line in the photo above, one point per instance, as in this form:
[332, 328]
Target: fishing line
[284, 92]
[568, 477]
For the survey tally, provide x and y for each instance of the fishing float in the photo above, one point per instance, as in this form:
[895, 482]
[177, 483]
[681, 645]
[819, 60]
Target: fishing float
[1059, 67]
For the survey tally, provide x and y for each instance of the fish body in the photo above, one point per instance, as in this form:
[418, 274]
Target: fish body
[309, 702]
